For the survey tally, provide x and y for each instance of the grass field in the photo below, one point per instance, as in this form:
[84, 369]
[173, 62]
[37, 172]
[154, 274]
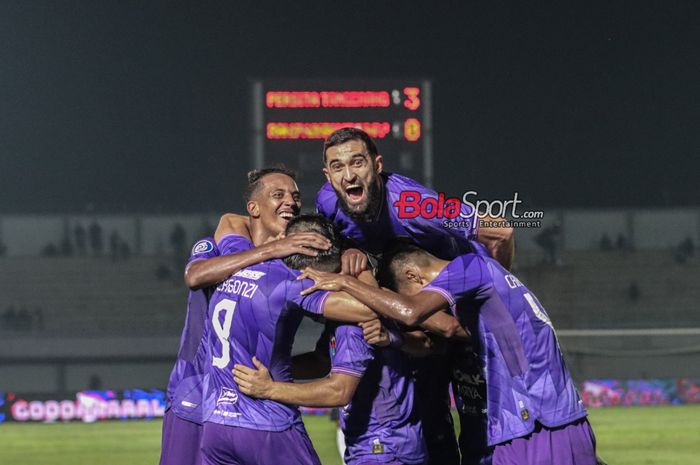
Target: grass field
[626, 436]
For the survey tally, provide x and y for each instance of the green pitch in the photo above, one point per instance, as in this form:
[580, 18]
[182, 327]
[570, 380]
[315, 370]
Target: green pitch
[626, 436]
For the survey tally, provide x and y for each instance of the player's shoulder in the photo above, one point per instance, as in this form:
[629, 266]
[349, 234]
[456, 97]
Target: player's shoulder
[204, 248]
[468, 261]
[326, 200]
[340, 328]
[396, 183]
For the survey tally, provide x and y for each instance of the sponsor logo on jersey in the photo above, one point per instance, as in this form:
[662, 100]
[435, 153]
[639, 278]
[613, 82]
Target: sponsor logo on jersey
[377, 447]
[203, 246]
[227, 396]
[250, 274]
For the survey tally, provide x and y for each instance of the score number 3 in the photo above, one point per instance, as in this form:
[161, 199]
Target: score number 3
[223, 330]
[412, 101]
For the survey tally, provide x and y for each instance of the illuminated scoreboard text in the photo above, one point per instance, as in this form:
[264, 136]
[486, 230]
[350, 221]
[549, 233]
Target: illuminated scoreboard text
[292, 117]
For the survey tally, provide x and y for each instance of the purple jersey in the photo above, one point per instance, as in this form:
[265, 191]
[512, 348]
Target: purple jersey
[380, 424]
[432, 235]
[256, 312]
[526, 377]
[375, 236]
[185, 384]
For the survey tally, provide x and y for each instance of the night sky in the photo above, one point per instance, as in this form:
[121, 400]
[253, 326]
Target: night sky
[143, 106]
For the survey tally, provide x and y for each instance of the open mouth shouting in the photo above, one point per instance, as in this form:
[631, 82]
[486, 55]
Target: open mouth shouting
[355, 194]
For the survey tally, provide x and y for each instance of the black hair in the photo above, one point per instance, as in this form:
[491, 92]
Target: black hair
[255, 176]
[344, 135]
[326, 260]
[391, 265]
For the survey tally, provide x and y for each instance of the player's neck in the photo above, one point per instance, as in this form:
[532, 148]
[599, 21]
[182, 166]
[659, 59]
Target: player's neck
[436, 266]
[259, 235]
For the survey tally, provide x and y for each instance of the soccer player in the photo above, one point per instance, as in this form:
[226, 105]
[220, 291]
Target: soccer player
[254, 315]
[182, 422]
[374, 385]
[534, 413]
[359, 198]
[272, 200]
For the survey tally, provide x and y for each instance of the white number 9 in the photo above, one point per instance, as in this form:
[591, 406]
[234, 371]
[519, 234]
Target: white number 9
[223, 330]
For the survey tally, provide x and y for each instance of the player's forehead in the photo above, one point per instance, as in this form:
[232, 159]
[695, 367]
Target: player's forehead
[278, 181]
[346, 151]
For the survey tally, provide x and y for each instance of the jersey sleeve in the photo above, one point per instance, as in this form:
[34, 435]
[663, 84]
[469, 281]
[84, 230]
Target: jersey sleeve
[464, 276]
[326, 201]
[312, 303]
[203, 249]
[234, 243]
[350, 353]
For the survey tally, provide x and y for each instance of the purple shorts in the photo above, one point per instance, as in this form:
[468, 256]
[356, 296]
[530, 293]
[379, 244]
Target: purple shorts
[233, 445]
[180, 441]
[572, 444]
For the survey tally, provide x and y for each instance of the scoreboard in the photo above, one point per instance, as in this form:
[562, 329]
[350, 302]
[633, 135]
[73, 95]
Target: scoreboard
[292, 117]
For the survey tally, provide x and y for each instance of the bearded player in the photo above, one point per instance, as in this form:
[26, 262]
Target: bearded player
[359, 198]
[534, 413]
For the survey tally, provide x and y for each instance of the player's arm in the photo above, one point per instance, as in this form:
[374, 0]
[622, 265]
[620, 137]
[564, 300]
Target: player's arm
[409, 310]
[414, 342]
[500, 241]
[205, 273]
[341, 306]
[334, 391]
[232, 223]
[440, 324]
[446, 326]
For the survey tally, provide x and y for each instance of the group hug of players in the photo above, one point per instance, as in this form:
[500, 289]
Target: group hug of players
[410, 308]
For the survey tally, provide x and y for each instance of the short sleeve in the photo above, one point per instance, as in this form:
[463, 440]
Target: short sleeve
[350, 353]
[462, 277]
[326, 201]
[203, 249]
[312, 303]
[234, 243]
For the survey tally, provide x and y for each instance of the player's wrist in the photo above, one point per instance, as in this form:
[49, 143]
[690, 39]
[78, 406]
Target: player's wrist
[268, 251]
[345, 282]
[271, 390]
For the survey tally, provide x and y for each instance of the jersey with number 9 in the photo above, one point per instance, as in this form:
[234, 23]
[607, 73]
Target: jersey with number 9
[256, 312]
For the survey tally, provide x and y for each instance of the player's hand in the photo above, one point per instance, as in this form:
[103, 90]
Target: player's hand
[254, 382]
[353, 262]
[303, 243]
[323, 281]
[375, 333]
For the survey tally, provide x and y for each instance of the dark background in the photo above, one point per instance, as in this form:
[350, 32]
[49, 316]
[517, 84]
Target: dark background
[144, 107]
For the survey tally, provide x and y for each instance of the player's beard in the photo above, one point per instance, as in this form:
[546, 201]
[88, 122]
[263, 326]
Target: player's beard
[373, 203]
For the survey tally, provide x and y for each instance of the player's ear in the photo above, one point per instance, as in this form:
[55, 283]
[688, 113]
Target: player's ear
[325, 172]
[412, 274]
[378, 163]
[253, 209]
